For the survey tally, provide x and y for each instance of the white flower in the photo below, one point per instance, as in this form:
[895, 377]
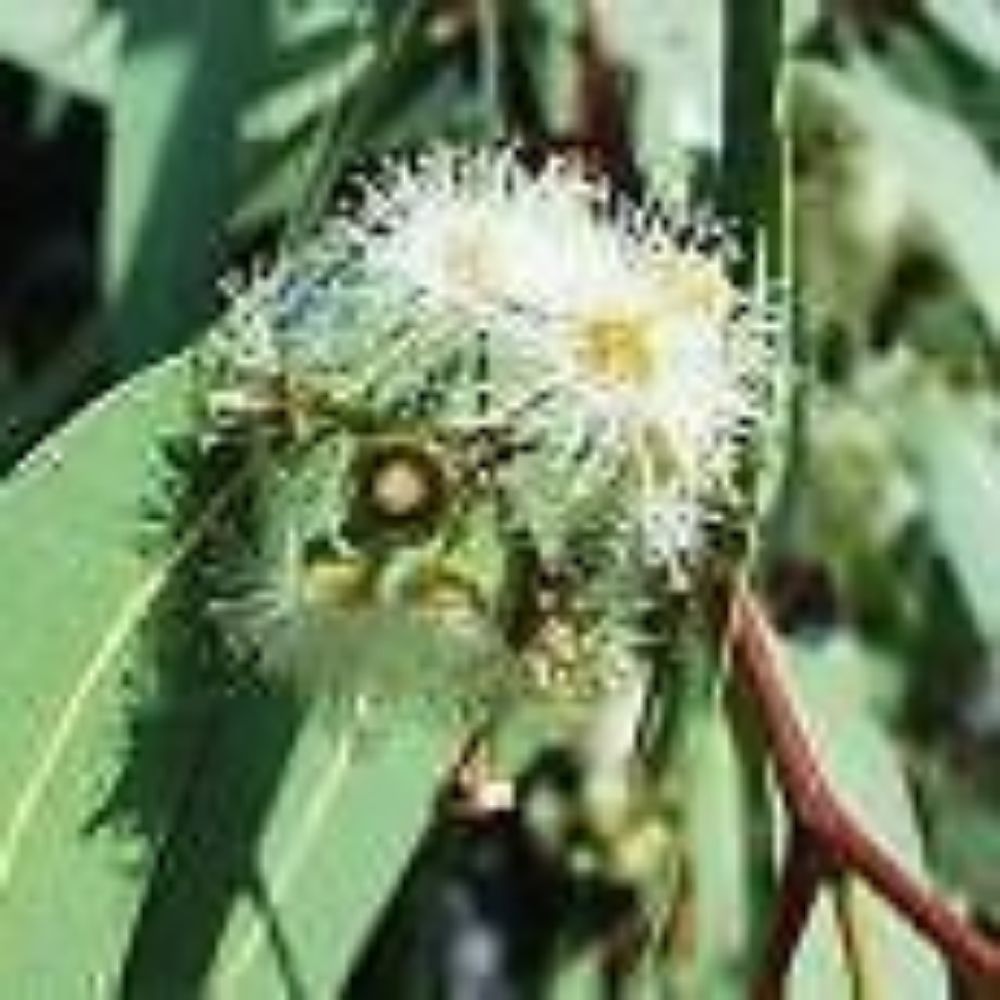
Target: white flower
[479, 232]
[611, 330]
[620, 313]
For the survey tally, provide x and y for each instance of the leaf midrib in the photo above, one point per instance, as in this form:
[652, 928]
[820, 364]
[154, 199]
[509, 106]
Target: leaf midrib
[28, 803]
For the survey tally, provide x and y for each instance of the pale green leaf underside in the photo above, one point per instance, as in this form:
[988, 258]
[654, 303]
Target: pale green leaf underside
[949, 177]
[835, 683]
[952, 447]
[74, 894]
[72, 43]
[717, 837]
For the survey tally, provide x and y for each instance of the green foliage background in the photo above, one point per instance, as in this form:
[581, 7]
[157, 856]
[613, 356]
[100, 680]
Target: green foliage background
[278, 858]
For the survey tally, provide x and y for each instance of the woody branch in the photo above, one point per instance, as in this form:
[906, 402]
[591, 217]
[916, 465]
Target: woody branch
[826, 841]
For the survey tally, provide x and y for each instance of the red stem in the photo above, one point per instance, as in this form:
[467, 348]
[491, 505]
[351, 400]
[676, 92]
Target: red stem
[820, 816]
[804, 871]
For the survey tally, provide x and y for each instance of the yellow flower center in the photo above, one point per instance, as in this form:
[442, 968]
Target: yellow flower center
[618, 350]
[337, 583]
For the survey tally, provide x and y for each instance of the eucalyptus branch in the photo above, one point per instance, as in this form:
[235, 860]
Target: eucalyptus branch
[803, 873]
[822, 824]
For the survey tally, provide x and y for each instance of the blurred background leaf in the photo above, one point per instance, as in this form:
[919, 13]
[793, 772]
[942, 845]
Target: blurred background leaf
[184, 73]
[72, 44]
[840, 695]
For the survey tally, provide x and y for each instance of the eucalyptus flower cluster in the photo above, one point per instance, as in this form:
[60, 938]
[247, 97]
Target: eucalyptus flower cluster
[496, 405]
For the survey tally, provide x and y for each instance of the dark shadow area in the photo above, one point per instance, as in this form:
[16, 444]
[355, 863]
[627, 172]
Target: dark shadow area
[207, 739]
[487, 911]
[165, 292]
[51, 165]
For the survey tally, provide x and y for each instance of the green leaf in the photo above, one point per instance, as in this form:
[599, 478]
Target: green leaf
[800, 17]
[186, 71]
[322, 55]
[974, 24]
[951, 443]
[305, 81]
[717, 839]
[547, 34]
[343, 830]
[838, 681]
[270, 843]
[959, 209]
[675, 54]
[67, 535]
[964, 819]
[578, 980]
[73, 43]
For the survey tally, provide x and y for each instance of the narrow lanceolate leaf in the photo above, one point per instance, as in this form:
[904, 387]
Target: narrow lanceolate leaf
[675, 52]
[71, 44]
[294, 903]
[75, 592]
[961, 206]
[227, 837]
[186, 70]
[880, 955]
[974, 24]
[717, 839]
[952, 446]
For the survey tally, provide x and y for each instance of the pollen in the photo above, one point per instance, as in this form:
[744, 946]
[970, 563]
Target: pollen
[331, 582]
[618, 350]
